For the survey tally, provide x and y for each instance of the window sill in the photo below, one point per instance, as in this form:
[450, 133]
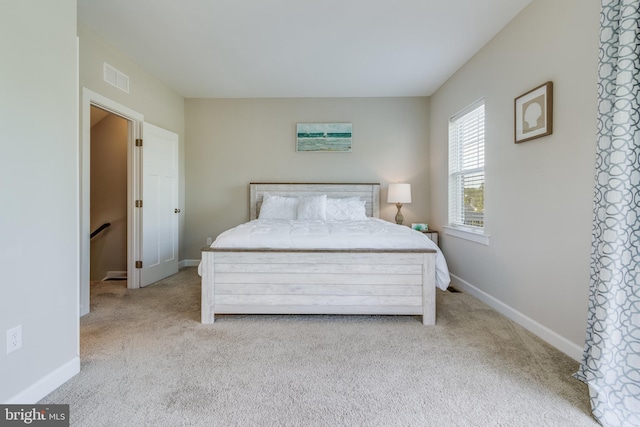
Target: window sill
[474, 236]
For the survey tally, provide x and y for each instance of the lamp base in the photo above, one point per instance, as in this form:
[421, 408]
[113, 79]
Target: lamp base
[399, 217]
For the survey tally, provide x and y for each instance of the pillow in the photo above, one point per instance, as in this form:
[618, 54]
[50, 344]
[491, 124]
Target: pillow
[278, 207]
[312, 208]
[347, 209]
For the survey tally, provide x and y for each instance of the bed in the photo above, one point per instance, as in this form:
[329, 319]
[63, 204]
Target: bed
[259, 278]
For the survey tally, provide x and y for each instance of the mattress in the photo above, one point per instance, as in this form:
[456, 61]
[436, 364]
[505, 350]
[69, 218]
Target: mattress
[372, 233]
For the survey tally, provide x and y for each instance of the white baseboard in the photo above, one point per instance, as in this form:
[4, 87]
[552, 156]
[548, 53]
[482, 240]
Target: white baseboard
[115, 275]
[189, 263]
[47, 384]
[569, 348]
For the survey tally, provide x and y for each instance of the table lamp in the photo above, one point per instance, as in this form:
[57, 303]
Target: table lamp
[399, 194]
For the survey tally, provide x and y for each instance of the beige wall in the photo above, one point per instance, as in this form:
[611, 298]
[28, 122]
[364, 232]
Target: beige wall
[109, 196]
[160, 105]
[232, 142]
[39, 190]
[539, 193]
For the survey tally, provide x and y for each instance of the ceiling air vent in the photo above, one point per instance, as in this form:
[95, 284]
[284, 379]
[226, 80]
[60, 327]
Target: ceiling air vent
[116, 78]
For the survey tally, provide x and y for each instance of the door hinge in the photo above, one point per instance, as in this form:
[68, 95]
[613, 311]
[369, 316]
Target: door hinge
[138, 264]
[138, 203]
[139, 142]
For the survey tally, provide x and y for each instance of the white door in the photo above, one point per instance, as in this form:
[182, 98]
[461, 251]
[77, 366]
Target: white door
[159, 211]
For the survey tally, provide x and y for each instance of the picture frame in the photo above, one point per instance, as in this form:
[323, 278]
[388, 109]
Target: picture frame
[533, 112]
[324, 137]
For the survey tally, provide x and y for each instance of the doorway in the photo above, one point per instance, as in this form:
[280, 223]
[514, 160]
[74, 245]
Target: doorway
[152, 250]
[108, 196]
[134, 122]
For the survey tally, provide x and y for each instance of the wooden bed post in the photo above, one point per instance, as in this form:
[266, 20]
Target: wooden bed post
[429, 289]
[253, 201]
[207, 298]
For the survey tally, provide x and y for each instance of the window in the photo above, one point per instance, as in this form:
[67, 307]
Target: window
[466, 168]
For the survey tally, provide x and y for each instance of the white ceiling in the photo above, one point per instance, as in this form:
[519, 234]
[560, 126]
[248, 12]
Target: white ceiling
[299, 48]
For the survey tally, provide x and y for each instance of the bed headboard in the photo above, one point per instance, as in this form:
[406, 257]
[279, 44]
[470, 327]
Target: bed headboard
[370, 192]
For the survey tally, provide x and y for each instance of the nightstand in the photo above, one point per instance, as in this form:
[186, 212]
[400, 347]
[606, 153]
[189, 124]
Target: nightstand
[432, 234]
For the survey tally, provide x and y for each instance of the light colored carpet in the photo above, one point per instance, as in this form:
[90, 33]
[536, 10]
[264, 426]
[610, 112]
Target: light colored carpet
[148, 361]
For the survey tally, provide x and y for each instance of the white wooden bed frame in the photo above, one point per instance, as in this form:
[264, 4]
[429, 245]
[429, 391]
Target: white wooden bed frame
[320, 281]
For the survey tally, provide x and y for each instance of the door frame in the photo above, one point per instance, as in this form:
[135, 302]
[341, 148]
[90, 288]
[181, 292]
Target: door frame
[134, 229]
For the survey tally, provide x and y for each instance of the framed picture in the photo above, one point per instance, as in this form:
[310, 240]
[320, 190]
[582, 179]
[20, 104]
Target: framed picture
[324, 137]
[534, 113]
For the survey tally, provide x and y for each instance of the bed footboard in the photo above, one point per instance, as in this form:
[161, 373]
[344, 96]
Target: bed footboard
[392, 282]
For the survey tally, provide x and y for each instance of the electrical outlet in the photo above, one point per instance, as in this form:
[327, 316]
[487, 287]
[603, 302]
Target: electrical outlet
[14, 339]
[209, 241]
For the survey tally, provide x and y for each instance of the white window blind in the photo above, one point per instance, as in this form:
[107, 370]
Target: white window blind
[466, 167]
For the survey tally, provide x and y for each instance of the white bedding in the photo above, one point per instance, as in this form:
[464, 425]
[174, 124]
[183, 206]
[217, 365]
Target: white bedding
[372, 233]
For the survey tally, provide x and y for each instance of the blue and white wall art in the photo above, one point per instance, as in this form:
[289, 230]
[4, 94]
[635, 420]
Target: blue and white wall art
[324, 137]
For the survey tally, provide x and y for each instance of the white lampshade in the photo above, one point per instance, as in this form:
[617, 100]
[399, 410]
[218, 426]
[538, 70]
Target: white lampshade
[399, 193]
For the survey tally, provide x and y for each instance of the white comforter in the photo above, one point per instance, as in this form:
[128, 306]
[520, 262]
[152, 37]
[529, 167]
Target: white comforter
[373, 233]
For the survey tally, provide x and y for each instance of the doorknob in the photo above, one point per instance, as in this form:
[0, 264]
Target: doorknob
[176, 210]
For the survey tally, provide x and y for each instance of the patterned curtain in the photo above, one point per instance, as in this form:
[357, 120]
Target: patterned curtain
[611, 359]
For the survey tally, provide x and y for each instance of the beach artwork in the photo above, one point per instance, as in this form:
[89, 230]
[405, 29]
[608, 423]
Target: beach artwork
[324, 137]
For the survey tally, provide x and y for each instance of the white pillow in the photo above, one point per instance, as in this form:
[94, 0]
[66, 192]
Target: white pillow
[312, 208]
[278, 207]
[347, 209]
